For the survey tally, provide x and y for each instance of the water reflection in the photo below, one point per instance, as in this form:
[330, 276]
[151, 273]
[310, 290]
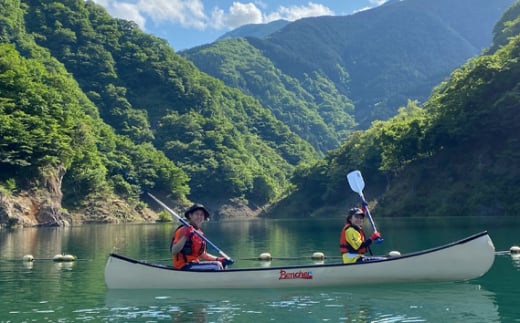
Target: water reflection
[516, 260]
[69, 292]
[28, 265]
[64, 265]
[428, 302]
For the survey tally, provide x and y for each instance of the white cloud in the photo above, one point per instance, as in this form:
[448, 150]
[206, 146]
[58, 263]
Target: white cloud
[297, 12]
[237, 15]
[377, 2]
[218, 19]
[362, 9]
[192, 14]
[261, 4]
[249, 13]
[187, 13]
[240, 13]
[124, 10]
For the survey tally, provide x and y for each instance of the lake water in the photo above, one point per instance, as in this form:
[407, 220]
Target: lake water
[45, 291]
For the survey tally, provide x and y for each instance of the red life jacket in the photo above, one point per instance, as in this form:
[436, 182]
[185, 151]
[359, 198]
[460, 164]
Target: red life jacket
[345, 247]
[191, 251]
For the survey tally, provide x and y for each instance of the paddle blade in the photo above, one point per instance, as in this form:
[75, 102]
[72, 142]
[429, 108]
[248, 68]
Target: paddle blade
[356, 182]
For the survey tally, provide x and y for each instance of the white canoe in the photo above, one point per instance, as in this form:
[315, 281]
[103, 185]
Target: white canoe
[465, 259]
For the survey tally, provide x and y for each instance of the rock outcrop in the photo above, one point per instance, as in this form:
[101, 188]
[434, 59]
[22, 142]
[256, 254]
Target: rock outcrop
[39, 206]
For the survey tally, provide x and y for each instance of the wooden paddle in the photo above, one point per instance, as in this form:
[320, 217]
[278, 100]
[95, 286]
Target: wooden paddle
[187, 224]
[357, 184]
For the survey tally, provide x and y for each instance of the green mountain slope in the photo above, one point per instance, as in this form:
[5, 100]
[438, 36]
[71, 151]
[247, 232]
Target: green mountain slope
[312, 108]
[94, 111]
[377, 58]
[55, 148]
[455, 155]
[140, 117]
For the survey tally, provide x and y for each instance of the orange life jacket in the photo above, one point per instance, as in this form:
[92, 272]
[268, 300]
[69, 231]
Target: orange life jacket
[191, 251]
[345, 247]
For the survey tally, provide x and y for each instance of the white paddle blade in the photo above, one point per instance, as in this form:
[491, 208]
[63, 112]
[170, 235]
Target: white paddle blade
[356, 182]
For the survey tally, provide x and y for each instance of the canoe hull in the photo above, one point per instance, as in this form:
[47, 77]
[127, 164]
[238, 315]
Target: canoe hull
[462, 260]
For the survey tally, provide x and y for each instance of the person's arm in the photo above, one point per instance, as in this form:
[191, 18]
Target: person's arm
[181, 236]
[208, 257]
[221, 261]
[353, 238]
[369, 241]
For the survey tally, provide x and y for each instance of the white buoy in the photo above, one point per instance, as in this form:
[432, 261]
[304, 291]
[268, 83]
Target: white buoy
[57, 258]
[69, 258]
[28, 258]
[514, 250]
[64, 258]
[318, 256]
[394, 253]
[265, 256]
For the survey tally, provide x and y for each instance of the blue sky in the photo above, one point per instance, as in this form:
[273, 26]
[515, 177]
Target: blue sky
[188, 23]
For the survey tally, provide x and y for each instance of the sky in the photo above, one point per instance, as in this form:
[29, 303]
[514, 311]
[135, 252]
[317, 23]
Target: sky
[189, 23]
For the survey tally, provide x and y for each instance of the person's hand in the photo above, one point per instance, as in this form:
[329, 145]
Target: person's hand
[189, 232]
[226, 261]
[375, 236]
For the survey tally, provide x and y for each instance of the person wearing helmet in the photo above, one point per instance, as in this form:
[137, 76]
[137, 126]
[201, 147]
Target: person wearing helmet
[189, 249]
[352, 242]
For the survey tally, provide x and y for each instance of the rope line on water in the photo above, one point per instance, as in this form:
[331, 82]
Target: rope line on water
[267, 257]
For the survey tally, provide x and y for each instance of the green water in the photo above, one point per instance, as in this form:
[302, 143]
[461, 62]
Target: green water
[45, 291]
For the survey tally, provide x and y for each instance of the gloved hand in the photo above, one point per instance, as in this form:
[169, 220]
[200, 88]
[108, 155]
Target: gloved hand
[375, 236]
[226, 261]
[189, 232]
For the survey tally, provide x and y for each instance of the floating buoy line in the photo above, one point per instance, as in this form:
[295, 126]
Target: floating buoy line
[514, 251]
[266, 256]
[56, 258]
[317, 256]
[64, 258]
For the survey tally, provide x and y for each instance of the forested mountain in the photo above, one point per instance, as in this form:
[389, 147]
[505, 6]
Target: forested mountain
[94, 113]
[54, 145]
[110, 109]
[228, 144]
[378, 58]
[455, 155]
[313, 108]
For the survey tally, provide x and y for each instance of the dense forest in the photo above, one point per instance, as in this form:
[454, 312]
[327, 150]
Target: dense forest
[95, 113]
[138, 116]
[312, 107]
[455, 155]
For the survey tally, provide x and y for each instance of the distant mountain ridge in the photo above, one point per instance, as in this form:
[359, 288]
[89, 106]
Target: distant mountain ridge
[378, 58]
[255, 30]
